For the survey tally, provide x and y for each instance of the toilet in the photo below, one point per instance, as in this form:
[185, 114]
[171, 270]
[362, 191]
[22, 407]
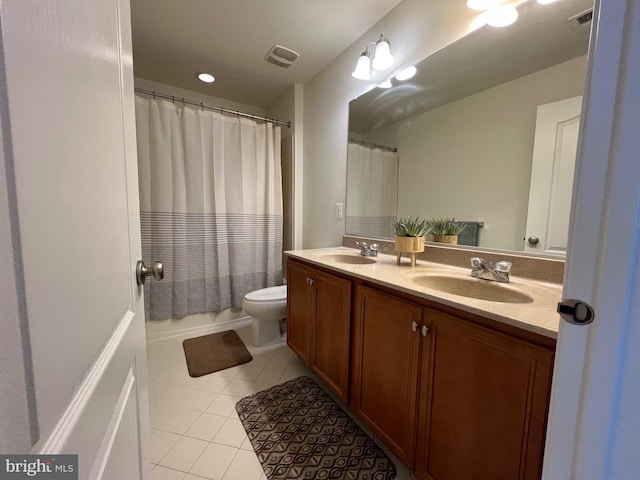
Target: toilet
[267, 306]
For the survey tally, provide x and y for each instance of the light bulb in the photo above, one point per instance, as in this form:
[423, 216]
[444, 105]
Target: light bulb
[363, 67]
[545, 2]
[407, 73]
[382, 58]
[502, 16]
[386, 84]
[205, 77]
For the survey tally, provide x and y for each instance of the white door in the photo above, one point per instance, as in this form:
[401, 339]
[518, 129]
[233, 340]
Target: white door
[554, 155]
[594, 424]
[68, 131]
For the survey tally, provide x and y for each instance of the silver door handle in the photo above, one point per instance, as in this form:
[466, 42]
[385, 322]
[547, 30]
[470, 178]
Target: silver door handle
[425, 330]
[142, 271]
[533, 240]
[414, 326]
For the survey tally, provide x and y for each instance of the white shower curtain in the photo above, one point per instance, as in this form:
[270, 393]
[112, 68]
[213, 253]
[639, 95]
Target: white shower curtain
[372, 191]
[211, 207]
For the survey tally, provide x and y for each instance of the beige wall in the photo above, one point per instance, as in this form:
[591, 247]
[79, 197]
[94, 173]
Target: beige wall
[471, 159]
[416, 29]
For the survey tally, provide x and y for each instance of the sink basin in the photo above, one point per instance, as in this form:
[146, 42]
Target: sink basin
[473, 288]
[348, 259]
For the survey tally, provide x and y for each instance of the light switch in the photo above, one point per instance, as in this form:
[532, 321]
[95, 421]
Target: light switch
[339, 211]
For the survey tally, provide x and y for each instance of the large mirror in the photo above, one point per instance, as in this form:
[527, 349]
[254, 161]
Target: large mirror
[485, 132]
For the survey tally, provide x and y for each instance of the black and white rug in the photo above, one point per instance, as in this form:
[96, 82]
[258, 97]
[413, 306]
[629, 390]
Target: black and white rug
[299, 432]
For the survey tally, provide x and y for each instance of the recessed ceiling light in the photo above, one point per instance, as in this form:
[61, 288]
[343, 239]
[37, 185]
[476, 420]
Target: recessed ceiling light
[386, 84]
[483, 4]
[502, 16]
[205, 77]
[407, 73]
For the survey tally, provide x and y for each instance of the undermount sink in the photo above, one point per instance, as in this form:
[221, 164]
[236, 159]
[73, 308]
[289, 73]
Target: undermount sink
[348, 259]
[473, 288]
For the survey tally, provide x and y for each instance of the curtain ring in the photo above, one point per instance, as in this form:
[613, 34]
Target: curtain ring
[183, 102]
[202, 106]
[173, 99]
[154, 94]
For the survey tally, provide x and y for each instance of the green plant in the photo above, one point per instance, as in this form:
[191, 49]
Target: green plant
[409, 227]
[444, 226]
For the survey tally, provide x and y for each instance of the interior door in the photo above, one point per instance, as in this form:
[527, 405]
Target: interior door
[69, 147]
[554, 155]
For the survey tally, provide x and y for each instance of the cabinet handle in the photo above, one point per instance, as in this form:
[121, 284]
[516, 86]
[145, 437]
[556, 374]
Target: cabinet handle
[309, 281]
[425, 330]
[414, 326]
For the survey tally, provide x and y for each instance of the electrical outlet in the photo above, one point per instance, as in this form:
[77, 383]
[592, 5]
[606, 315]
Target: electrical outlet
[339, 211]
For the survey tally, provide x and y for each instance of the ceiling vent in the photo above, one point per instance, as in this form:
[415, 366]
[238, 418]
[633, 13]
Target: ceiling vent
[281, 56]
[582, 18]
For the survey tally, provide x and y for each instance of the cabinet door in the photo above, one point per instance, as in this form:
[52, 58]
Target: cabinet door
[300, 309]
[483, 404]
[330, 346]
[385, 368]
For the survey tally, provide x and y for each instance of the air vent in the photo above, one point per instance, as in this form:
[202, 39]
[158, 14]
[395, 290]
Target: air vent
[582, 18]
[281, 56]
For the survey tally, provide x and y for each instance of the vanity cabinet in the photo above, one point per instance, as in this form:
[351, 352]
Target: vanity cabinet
[387, 339]
[483, 403]
[318, 323]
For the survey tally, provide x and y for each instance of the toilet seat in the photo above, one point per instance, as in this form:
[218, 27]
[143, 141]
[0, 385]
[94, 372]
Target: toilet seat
[269, 294]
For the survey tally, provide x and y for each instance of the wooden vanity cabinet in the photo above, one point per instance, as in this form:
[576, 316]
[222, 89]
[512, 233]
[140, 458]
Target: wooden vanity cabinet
[483, 403]
[318, 323]
[386, 346]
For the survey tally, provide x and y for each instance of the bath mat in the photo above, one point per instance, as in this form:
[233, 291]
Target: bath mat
[299, 432]
[210, 353]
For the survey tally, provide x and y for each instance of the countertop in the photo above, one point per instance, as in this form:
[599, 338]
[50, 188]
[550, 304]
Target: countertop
[538, 316]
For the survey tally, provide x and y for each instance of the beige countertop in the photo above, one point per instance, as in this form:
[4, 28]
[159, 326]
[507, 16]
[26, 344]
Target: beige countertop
[537, 316]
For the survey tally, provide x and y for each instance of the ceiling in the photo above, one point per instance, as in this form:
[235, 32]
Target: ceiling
[542, 37]
[174, 39]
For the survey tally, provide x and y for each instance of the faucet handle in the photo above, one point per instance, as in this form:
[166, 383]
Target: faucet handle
[503, 267]
[361, 244]
[476, 262]
[373, 247]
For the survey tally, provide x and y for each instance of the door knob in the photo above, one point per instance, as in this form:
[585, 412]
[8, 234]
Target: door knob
[142, 271]
[533, 240]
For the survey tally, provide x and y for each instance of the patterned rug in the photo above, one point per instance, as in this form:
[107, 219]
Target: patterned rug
[299, 432]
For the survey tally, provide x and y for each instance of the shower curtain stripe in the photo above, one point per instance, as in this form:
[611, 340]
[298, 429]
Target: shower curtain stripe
[211, 207]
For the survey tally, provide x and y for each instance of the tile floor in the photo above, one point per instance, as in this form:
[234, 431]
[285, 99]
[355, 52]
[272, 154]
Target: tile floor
[195, 430]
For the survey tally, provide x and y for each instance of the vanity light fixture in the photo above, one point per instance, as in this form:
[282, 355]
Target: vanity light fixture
[382, 59]
[502, 16]
[205, 77]
[386, 84]
[407, 73]
[545, 2]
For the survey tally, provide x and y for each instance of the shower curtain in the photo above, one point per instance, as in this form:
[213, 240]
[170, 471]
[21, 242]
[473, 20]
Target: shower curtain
[372, 191]
[210, 207]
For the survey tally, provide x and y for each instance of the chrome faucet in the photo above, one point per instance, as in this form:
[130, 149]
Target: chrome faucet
[367, 250]
[488, 271]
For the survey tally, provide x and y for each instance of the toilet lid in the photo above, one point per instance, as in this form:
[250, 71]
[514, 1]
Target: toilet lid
[268, 294]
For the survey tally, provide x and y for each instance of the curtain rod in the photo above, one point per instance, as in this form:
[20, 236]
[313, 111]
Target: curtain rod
[174, 99]
[373, 145]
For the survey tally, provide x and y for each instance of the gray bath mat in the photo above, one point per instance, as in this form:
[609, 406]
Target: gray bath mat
[299, 432]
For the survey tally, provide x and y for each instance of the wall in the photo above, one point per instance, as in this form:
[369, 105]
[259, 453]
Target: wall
[415, 29]
[198, 97]
[471, 159]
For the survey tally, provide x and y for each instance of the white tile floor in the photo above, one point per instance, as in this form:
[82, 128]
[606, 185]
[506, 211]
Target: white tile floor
[195, 430]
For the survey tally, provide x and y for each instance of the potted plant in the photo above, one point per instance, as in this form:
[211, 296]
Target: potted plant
[444, 230]
[409, 234]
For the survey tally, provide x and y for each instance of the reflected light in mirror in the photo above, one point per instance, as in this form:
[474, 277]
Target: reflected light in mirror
[407, 73]
[502, 16]
[545, 2]
[386, 84]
